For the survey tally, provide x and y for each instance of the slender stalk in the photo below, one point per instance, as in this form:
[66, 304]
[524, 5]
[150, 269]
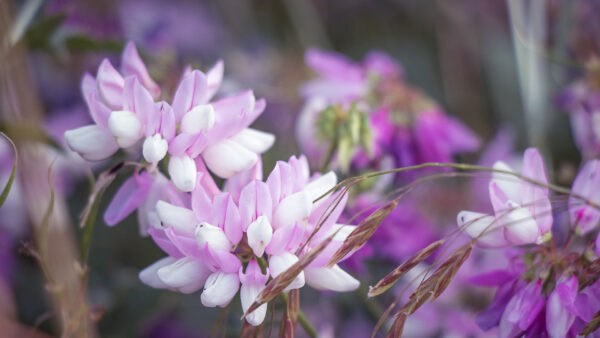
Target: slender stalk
[461, 166]
[306, 325]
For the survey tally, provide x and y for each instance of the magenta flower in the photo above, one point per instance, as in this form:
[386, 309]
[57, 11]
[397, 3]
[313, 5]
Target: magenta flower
[399, 122]
[522, 210]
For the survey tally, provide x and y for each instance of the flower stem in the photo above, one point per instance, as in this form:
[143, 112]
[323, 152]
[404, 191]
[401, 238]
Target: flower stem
[306, 325]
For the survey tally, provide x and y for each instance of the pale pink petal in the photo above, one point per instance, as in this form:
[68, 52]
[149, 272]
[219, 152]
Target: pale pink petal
[132, 64]
[129, 196]
[189, 94]
[110, 85]
[214, 77]
[535, 198]
[255, 201]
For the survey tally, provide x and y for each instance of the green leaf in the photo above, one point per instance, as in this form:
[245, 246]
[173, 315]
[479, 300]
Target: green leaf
[38, 36]
[79, 43]
[13, 172]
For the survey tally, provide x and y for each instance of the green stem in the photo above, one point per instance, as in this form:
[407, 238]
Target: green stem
[304, 322]
[329, 157]
[84, 245]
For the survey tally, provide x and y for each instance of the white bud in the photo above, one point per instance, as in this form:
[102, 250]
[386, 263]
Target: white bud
[213, 235]
[259, 235]
[155, 148]
[200, 119]
[219, 289]
[126, 127]
[182, 170]
[91, 142]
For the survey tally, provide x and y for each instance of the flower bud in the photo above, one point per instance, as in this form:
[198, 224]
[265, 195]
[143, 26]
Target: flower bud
[126, 127]
[155, 148]
[259, 235]
[219, 289]
[213, 236]
[200, 119]
[91, 142]
[182, 170]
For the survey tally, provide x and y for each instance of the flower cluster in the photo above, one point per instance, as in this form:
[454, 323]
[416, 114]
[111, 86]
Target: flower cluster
[369, 105]
[246, 233]
[582, 100]
[549, 288]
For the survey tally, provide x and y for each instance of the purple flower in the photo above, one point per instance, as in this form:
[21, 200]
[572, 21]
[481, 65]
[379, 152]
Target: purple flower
[399, 121]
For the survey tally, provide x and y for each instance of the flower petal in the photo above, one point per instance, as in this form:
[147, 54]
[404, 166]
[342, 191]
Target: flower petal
[334, 279]
[228, 158]
[91, 142]
[186, 275]
[129, 196]
[219, 289]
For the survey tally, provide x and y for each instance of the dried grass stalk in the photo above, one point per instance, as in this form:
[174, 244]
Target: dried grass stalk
[359, 236]
[386, 282]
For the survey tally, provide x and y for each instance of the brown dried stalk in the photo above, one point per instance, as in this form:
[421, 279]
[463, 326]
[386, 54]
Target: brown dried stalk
[249, 331]
[290, 316]
[398, 326]
[359, 236]
[385, 283]
[432, 287]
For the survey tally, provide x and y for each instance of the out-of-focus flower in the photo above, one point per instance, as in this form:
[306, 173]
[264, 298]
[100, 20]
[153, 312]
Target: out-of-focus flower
[402, 233]
[582, 100]
[523, 213]
[364, 112]
[585, 216]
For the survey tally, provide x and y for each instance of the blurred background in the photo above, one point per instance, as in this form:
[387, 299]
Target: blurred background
[495, 65]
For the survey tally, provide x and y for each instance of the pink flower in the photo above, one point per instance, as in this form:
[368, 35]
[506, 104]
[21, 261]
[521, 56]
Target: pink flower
[585, 216]
[218, 131]
[118, 95]
[523, 213]
[270, 220]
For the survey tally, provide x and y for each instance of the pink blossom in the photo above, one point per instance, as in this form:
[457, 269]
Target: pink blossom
[522, 210]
